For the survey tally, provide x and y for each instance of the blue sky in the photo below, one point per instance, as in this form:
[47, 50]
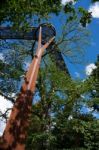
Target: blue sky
[81, 71]
[77, 71]
[92, 50]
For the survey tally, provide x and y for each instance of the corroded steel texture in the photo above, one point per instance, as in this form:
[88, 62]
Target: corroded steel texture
[16, 129]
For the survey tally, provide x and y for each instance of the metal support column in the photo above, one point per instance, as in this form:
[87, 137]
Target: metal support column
[15, 132]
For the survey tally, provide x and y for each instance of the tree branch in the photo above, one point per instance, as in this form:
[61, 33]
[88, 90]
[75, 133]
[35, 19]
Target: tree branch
[7, 97]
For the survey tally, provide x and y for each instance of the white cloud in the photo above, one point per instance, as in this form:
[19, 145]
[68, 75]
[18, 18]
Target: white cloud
[86, 109]
[4, 104]
[82, 96]
[26, 65]
[1, 57]
[95, 114]
[70, 117]
[95, 10]
[89, 68]
[77, 74]
[66, 1]
[2, 127]
[89, 109]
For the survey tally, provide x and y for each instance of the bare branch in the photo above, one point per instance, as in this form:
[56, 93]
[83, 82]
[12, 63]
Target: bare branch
[5, 114]
[7, 97]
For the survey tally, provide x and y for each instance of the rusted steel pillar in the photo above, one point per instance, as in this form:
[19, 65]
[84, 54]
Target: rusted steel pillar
[15, 132]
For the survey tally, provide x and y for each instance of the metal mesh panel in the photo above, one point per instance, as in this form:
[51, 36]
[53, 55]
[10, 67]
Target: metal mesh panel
[48, 31]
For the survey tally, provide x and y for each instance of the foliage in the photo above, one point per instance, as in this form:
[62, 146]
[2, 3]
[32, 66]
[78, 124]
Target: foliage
[23, 12]
[56, 121]
[12, 67]
[52, 97]
[93, 1]
[78, 133]
[94, 91]
[51, 126]
[85, 16]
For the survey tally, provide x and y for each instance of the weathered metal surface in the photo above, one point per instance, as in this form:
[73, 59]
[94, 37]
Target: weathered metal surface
[9, 33]
[32, 34]
[15, 132]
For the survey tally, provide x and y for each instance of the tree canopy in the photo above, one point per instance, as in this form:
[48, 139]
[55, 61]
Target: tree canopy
[57, 120]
